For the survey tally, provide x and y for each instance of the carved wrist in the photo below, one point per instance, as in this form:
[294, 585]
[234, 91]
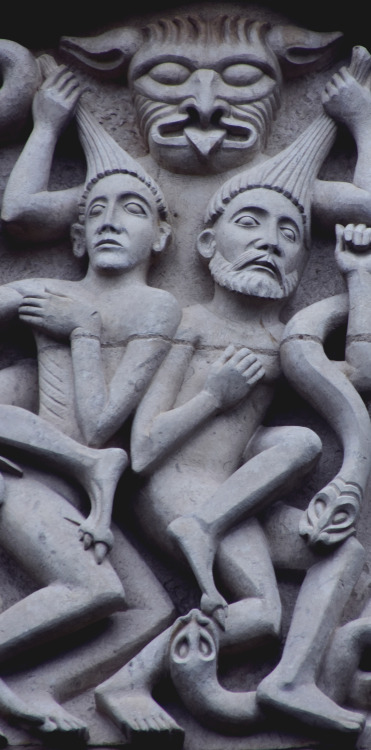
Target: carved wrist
[82, 333]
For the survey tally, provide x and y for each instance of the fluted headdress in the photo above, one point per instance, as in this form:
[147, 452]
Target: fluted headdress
[291, 172]
[105, 157]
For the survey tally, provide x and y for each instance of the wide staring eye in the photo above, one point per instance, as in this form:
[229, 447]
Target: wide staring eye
[241, 74]
[288, 233]
[170, 73]
[247, 221]
[135, 208]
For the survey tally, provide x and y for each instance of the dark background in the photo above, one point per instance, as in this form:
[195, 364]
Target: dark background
[34, 25]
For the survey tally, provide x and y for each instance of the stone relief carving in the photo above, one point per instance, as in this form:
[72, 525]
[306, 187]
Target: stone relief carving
[169, 412]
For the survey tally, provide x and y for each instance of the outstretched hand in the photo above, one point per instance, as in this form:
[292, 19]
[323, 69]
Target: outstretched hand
[353, 248]
[233, 376]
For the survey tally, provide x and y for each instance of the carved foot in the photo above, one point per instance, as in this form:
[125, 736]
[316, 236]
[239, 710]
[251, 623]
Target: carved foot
[140, 718]
[307, 703]
[198, 547]
[17, 711]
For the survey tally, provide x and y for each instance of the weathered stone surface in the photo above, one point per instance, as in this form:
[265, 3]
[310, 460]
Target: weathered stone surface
[227, 604]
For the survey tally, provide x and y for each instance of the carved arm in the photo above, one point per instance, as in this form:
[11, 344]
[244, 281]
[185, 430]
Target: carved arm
[30, 210]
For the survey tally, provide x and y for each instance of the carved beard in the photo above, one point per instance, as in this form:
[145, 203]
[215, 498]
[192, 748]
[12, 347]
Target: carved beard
[249, 282]
[245, 126]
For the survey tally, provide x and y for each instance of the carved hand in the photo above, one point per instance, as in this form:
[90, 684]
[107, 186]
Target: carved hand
[233, 376]
[353, 248]
[55, 102]
[347, 96]
[59, 314]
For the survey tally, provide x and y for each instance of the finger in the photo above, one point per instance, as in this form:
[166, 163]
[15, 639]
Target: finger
[348, 233]
[74, 91]
[100, 551]
[251, 371]
[258, 376]
[360, 64]
[331, 89]
[36, 296]
[46, 64]
[53, 79]
[240, 355]
[339, 232]
[249, 361]
[30, 310]
[66, 79]
[358, 234]
[337, 80]
[227, 354]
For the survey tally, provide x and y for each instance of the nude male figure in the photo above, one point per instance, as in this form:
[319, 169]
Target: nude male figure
[209, 463]
[99, 342]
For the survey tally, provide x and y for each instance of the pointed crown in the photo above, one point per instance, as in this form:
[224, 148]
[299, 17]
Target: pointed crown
[105, 157]
[291, 172]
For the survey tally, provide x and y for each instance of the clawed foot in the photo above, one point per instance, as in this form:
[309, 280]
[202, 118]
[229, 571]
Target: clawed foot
[308, 704]
[198, 546]
[140, 717]
[91, 534]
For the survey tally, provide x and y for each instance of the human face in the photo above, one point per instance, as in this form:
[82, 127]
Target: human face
[120, 224]
[259, 247]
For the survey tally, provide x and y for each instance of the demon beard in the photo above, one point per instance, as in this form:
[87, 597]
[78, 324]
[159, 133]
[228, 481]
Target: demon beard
[251, 282]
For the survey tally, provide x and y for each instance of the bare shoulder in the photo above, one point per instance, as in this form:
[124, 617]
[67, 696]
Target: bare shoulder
[161, 310]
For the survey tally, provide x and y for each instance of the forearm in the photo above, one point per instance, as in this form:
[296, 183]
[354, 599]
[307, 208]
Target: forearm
[89, 383]
[358, 342]
[169, 430]
[31, 172]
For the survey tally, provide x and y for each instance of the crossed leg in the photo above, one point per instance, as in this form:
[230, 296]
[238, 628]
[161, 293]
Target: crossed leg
[98, 471]
[278, 458]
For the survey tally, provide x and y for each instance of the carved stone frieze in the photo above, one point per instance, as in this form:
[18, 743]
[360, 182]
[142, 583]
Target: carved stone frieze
[185, 439]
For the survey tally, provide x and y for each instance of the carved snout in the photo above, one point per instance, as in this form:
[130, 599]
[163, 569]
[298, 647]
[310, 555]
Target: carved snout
[21, 78]
[331, 514]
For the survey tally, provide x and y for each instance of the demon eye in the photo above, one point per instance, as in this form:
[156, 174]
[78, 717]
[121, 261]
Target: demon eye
[241, 74]
[169, 73]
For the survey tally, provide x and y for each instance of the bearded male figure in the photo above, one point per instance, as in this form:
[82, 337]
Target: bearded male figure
[210, 466]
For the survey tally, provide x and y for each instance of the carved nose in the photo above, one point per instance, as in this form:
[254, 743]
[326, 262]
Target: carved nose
[203, 107]
[269, 244]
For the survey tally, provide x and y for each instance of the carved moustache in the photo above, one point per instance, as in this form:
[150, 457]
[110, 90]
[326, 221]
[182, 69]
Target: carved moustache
[255, 257]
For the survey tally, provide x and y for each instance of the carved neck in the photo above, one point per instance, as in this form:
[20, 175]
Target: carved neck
[99, 280]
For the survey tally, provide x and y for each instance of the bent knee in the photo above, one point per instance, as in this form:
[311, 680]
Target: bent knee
[105, 591]
[302, 443]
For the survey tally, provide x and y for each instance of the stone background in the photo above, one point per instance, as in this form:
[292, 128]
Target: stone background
[187, 279]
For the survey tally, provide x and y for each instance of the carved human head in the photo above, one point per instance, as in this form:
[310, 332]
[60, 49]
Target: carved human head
[257, 225]
[123, 216]
[121, 224]
[205, 89]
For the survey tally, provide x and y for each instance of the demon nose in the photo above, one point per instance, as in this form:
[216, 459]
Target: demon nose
[204, 108]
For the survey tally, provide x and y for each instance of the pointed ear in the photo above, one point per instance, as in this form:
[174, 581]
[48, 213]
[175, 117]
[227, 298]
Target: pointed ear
[300, 51]
[163, 238]
[205, 243]
[78, 240]
[108, 54]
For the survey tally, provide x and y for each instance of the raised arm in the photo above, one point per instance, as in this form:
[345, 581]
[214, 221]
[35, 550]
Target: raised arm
[30, 211]
[353, 257]
[347, 99]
